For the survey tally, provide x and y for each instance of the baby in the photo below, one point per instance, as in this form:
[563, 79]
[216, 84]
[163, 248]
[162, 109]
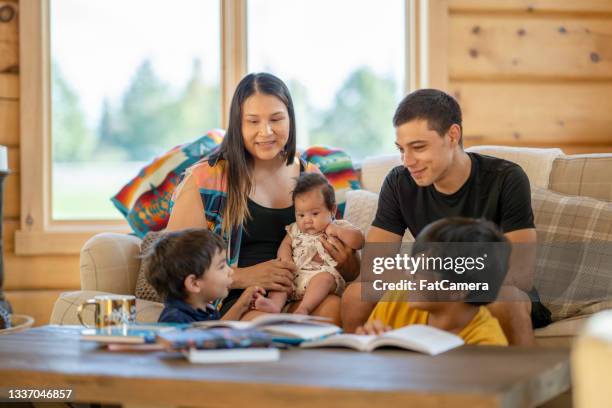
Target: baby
[316, 275]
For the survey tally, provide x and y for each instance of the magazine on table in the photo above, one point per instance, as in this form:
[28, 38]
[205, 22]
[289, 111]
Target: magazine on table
[284, 327]
[129, 333]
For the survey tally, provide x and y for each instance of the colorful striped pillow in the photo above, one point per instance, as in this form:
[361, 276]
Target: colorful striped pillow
[144, 201]
[337, 166]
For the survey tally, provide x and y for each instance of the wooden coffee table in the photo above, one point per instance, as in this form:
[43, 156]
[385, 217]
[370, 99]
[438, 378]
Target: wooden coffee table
[470, 376]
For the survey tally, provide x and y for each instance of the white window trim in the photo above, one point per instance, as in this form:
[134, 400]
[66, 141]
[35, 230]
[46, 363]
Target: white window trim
[38, 233]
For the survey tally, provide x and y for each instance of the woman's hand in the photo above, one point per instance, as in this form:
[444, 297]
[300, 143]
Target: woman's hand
[348, 263]
[374, 327]
[270, 275]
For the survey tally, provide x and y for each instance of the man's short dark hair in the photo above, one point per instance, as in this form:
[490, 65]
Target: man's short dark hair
[444, 238]
[439, 109]
[176, 255]
[309, 181]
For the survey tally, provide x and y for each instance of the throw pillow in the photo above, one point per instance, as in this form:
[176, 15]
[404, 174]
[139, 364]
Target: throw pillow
[361, 208]
[144, 290]
[573, 274]
[337, 167]
[144, 201]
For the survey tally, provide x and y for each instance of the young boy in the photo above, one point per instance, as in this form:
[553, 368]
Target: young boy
[468, 318]
[188, 269]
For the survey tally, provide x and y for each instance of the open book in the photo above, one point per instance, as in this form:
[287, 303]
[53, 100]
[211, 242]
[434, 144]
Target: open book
[417, 337]
[284, 327]
[264, 320]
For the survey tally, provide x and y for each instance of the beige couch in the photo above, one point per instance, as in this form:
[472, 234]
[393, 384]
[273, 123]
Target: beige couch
[110, 262]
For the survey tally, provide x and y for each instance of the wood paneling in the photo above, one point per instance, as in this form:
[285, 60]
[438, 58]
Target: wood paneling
[9, 226]
[13, 159]
[535, 113]
[9, 37]
[41, 272]
[12, 197]
[9, 122]
[586, 149]
[9, 86]
[35, 303]
[490, 47]
[532, 6]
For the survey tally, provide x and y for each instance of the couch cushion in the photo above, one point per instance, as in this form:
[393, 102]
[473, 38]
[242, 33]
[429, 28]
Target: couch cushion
[584, 175]
[110, 262]
[361, 208]
[144, 290]
[574, 274]
[374, 170]
[536, 163]
[65, 308]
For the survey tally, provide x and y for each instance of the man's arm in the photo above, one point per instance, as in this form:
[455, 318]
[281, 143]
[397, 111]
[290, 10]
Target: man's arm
[376, 234]
[355, 311]
[522, 259]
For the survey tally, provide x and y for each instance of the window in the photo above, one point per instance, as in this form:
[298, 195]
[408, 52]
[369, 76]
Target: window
[129, 80]
[344, 62]
[88, 70]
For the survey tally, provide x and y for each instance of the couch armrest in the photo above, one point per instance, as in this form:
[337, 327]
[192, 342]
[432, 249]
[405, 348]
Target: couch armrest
[65, 308]
[110, 263]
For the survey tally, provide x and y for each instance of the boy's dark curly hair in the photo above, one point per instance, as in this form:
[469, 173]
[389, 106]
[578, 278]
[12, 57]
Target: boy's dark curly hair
[176, 255]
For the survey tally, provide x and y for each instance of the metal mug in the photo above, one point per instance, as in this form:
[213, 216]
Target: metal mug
[111, 310]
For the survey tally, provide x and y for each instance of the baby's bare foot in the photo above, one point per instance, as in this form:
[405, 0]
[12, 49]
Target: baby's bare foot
[264, 304]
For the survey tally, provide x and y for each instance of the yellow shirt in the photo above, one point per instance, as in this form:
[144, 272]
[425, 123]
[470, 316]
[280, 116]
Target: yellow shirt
[483, 329]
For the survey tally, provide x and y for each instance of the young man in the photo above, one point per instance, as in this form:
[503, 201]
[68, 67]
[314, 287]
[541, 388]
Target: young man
[438, 179]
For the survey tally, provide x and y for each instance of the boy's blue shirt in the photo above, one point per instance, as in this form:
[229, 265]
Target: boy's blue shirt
[179, 311]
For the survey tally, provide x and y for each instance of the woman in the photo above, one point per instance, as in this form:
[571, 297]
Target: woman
[243, 192]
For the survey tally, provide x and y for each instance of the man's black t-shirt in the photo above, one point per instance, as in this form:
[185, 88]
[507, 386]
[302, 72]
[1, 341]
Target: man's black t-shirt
[497, 190]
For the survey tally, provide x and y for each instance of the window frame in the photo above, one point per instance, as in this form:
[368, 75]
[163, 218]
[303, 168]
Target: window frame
[39, 233]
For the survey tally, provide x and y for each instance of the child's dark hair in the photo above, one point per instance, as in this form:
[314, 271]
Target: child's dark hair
[439, 109]
[309, 181]
[458, 237]
[176, 255]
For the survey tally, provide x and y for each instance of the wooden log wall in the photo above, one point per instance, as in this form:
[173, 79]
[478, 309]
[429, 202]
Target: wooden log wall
[32, 283]
[533, 72]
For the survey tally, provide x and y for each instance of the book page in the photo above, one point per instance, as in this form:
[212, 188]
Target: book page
[419, 337]
[360, 342]
[271, 318]
[232, 324]
[302, 331]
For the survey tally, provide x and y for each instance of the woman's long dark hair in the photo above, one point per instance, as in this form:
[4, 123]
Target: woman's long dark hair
[237, 159]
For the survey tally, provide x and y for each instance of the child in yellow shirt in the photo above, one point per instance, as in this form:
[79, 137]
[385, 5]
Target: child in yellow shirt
[468, 318]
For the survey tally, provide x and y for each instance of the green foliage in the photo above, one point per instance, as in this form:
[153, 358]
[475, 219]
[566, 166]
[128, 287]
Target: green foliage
[72, 140]
[361, 118]
[152, 117]
[198, 108]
